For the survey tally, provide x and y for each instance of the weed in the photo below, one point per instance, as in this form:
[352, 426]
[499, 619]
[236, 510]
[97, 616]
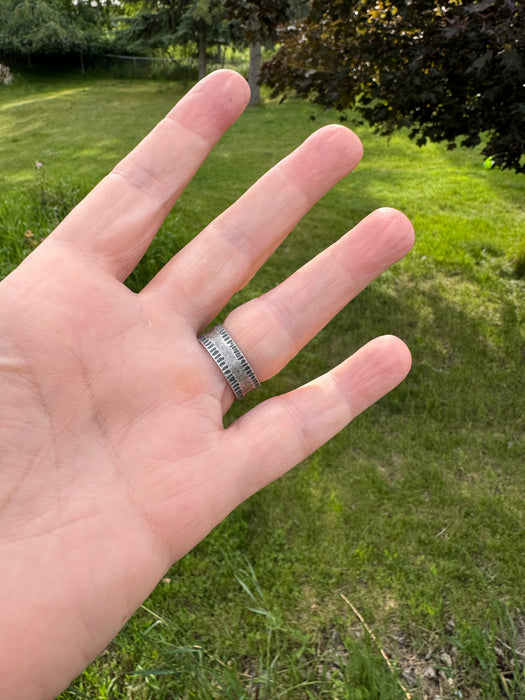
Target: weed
[519, 262]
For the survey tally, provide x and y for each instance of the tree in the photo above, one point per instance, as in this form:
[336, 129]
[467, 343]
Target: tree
[450, 71]
[49, 27]
[160, 24]
[150, 24]
[202, 22]
[258, 22]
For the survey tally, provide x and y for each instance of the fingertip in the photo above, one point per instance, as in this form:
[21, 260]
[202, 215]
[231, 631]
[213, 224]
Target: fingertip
[382, 238]
[396, 355]
[231, 83]
[213, 104]
[341, 144]
[402, 224]
[327, 156]
[374, 370]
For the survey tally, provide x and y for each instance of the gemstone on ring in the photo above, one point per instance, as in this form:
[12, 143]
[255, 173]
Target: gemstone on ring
[230, 360]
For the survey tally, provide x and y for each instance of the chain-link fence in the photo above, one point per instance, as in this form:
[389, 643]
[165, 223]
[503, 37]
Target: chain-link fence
[165, 67]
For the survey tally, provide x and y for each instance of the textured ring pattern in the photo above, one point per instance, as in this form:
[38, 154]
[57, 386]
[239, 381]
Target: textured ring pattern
[230, 360]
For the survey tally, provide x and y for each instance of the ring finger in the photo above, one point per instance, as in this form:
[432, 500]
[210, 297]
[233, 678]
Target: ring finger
[272, 328]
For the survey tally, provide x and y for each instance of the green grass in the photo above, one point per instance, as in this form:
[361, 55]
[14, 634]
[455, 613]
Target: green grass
[415, 513]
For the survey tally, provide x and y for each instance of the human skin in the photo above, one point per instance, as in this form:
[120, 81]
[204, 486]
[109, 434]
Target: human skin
[114, 461]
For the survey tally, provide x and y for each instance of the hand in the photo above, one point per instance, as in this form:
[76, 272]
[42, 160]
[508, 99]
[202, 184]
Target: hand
[114, 459]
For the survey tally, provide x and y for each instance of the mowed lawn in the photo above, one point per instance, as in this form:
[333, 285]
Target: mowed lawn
[405, 535]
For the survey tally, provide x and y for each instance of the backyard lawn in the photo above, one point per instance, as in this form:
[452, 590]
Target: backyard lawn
[403, 537]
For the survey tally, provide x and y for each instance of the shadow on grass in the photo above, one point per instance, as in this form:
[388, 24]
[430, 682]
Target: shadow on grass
[416, 509]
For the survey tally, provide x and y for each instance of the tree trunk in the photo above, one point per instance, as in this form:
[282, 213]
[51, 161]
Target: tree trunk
[202, 52]
[255, 72]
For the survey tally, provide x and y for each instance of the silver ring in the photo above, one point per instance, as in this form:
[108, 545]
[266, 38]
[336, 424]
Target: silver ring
[230, 360]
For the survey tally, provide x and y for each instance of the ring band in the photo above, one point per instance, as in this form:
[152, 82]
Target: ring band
[230, 360]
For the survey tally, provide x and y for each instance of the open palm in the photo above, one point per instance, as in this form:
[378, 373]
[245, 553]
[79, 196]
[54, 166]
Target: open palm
[113, 456]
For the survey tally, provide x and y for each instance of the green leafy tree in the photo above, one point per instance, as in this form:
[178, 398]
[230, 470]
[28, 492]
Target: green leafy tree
[258, 22]
[150, 24]
[203, 22]
[161, 24]
[450, 71]
[32, 27]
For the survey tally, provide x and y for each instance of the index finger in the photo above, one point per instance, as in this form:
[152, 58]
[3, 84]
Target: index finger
[116, 222]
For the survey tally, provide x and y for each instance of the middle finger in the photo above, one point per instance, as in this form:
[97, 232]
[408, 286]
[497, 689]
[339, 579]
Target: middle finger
[205, 274]
[272, 328]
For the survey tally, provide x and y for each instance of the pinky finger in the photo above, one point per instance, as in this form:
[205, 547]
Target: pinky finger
[279, 433]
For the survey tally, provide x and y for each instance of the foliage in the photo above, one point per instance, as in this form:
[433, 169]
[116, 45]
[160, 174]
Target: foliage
[161, 24]
[151, 26]
[447, 70]
[257, 23]
[203, 23]
[162, 21]
[50, 27]
[259, 20]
